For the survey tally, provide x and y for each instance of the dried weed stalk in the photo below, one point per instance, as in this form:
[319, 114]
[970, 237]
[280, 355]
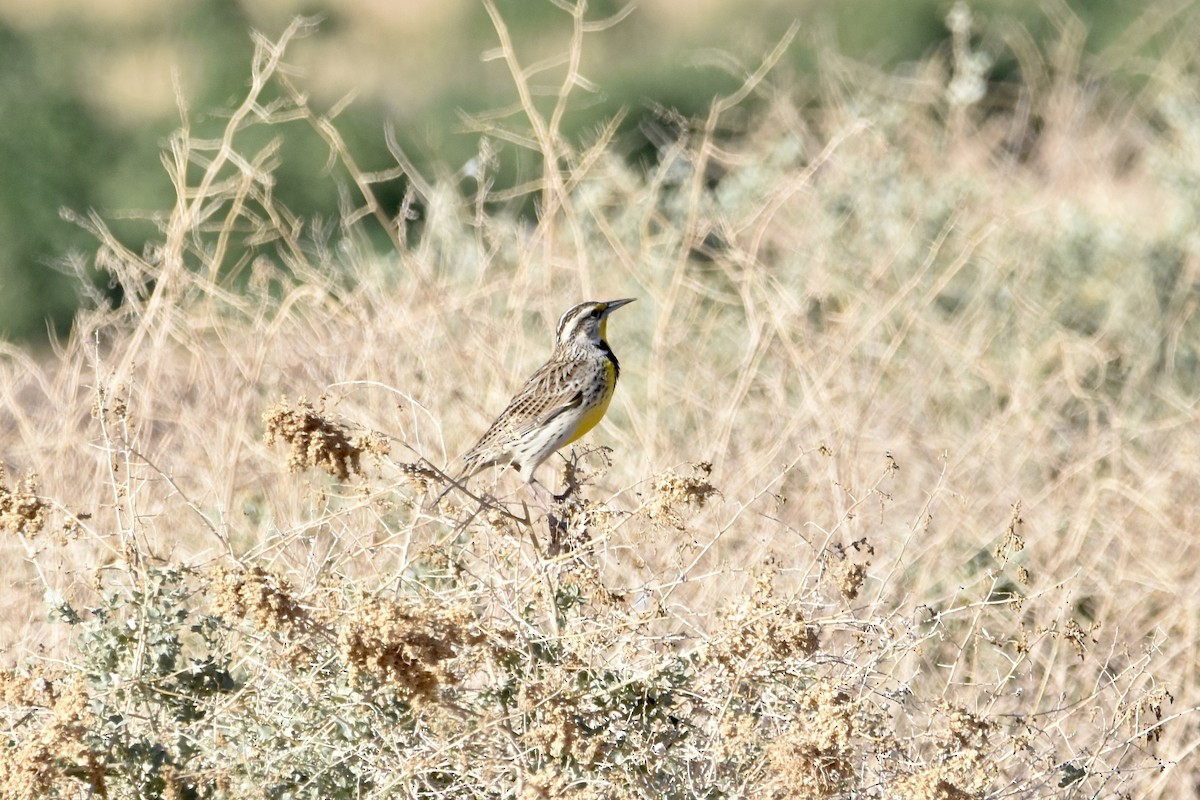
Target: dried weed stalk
[605, 668]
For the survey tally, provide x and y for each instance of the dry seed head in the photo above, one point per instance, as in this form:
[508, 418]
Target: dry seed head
[929, 784]
[21, 510]
[1076, 636]
[848, 576]
[672, 490]
[110, 407]
[1152, 702]
[34, 689]
[71, 528]
[554, 730]
[417, 475]
[52, 759]
[552, 707]
[549, 783]
[962, 771]
[966, 729]
[1012, 542]
[814, 758]
[317, 442]
[407, 646]
[763, 627]
[257, 596]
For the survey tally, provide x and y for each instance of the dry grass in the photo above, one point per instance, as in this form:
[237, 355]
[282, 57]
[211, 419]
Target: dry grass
[899, 501]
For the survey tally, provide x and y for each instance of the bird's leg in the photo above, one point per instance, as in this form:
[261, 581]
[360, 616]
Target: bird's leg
[534, 484]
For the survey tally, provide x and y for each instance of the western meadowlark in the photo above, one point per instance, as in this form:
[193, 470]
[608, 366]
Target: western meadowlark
[560, 402]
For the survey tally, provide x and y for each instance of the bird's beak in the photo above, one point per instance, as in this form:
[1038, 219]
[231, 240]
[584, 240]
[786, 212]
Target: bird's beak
[613, 305]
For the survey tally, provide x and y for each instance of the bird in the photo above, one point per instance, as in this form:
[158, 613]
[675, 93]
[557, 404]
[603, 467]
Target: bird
[564, 399]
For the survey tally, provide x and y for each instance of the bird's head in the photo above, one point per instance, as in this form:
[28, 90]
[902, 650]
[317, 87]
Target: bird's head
[587, 323]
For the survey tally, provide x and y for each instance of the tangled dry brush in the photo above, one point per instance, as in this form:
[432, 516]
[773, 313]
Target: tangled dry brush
[896, 498]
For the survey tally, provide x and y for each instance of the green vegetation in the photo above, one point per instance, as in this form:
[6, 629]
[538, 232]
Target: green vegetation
[896, 497]
[88, 95]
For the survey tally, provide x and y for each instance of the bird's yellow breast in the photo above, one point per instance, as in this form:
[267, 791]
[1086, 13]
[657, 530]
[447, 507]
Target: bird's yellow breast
[598, 405]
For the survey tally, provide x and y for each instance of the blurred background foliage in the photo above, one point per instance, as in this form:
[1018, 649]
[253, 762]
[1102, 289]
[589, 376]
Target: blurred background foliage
[89, 92]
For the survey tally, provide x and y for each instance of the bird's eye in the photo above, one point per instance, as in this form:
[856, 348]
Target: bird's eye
[596, 313]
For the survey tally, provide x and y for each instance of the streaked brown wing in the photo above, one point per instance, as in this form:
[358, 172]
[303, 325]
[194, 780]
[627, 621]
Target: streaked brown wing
[549, 392]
